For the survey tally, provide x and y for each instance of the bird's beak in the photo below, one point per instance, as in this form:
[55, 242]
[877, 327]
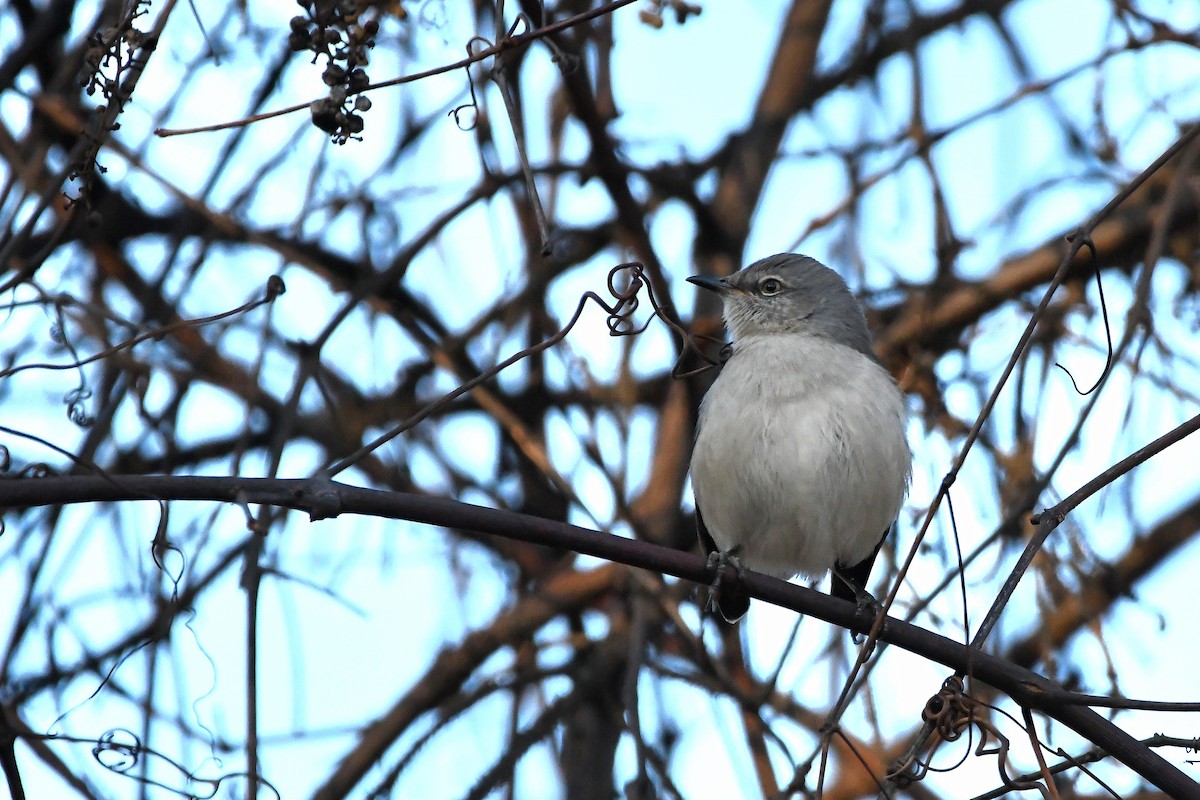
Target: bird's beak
[718, 285]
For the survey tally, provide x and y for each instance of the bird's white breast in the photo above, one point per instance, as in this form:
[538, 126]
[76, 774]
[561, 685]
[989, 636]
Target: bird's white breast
[800, 455]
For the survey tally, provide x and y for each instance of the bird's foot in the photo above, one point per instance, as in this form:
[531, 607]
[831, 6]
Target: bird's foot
[720, 562]
[864, 601]
[731, 604]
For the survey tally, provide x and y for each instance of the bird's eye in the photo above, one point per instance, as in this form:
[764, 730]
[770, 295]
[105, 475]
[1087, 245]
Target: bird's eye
[770, 286]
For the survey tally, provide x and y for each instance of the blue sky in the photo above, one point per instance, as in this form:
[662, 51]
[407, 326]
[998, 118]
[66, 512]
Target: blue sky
[404, 591]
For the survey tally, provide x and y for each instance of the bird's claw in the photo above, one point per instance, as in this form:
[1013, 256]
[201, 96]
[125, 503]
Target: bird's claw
[719, 562]
[864, 601]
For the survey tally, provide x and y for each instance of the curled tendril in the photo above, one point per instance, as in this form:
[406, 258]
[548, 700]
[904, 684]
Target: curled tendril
[161, 547]
[76, 411]
[950, 710]
[1108, 360]
[692, 343]
[479, 44]
[620, 314]
[120, 750]
[947, 715]
[117, 756]
[473, 106]
[620, 319]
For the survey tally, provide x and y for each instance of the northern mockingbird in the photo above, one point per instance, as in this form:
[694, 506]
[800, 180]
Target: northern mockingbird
[801, 461]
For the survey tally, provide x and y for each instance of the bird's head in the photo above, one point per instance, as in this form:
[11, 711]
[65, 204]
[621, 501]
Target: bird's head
[790, 293]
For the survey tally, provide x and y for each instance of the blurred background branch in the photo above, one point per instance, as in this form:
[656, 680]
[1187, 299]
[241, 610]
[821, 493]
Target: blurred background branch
[428, 230]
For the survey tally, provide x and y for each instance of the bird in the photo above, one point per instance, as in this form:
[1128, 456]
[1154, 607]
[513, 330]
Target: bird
[801, 461]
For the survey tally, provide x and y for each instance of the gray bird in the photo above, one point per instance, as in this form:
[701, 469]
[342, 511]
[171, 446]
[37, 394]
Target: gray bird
[801, 461]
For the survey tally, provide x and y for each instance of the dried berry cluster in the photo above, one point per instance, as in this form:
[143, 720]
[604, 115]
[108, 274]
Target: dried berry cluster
[108, 54]
[336, 30]
[112, 63]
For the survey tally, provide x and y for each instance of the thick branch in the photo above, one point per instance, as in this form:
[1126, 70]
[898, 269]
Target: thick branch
[324, 499]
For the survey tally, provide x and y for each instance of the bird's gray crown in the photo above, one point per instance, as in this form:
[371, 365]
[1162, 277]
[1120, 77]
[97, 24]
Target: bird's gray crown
[790, 293]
